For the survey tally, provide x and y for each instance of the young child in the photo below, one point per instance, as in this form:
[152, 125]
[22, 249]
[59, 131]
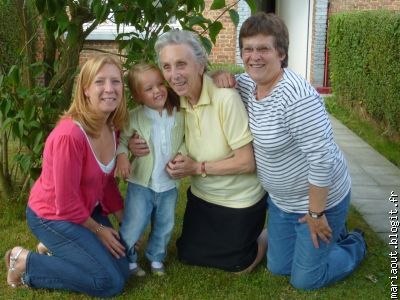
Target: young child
[151, 193]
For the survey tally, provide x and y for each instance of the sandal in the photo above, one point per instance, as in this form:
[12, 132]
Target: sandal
[42, 249]
[10, 263]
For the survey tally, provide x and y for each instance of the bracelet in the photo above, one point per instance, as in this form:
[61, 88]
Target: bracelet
[203, 169]
[316, 215]
[99, 228]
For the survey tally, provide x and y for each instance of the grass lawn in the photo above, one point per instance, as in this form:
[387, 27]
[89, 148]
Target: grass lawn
[369, 281]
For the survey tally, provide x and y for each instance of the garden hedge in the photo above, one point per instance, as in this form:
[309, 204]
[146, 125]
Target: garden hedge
[364, 57]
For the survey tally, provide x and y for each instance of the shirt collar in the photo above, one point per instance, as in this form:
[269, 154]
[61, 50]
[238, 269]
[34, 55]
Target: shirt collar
[205, 99]
[152, 113]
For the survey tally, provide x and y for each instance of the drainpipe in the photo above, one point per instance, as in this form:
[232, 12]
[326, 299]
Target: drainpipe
[326, 89]
[326, 68]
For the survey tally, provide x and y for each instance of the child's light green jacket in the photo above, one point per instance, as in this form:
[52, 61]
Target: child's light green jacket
[139, 123]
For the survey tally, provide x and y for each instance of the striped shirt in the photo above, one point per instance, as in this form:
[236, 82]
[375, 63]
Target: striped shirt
[293, 143]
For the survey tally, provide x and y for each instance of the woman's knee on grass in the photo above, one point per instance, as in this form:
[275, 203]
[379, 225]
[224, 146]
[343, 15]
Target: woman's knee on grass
[108, 286]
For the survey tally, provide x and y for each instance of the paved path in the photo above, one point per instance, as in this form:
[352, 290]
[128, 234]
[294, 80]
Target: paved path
[373, 180]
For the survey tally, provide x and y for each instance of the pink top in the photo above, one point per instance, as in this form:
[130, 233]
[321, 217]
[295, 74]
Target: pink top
[72, 182]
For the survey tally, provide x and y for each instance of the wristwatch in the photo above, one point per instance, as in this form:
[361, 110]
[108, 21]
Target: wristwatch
[316, 215]
[203, 169]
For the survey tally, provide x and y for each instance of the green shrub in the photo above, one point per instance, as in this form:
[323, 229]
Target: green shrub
[10, 35]
[364, 53]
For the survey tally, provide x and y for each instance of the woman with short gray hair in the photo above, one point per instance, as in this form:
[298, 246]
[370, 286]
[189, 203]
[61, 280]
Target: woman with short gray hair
[226, 206]
[182, 37]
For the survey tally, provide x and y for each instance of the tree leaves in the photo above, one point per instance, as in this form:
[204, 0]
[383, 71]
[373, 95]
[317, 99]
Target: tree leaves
[234, 17]
[100, 10]
[252, 5]
[206, 43]
[150, 19]
[217, 4]
[214, 29]
[29, 112]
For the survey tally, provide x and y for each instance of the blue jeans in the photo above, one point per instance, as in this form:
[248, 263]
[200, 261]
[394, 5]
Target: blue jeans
[142, 205]
[80, 262]
[291, 251]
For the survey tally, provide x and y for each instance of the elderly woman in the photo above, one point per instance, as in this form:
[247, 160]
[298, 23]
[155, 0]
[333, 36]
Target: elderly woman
[69, 203]
[226, 206]
[297, 161]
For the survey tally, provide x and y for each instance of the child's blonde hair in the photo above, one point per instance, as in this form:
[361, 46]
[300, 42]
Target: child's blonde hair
[81, 110]
[134, 85]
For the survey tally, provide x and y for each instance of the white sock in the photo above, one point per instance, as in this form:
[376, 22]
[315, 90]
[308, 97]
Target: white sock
[133, 266]
[157, 264]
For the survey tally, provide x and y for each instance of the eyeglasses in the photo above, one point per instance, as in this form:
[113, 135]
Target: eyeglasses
[259, 50]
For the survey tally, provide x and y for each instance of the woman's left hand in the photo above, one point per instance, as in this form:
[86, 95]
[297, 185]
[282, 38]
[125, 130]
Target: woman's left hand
[319, 228]
[181, 166]
[110, 238]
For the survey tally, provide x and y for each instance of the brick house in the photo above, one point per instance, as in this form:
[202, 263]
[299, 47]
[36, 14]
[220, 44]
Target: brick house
[307, 21]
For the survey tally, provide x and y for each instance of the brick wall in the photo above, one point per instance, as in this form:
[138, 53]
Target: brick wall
[353, 5]
[225, 49]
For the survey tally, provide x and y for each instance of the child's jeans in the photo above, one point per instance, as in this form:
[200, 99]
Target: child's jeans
[142, 205]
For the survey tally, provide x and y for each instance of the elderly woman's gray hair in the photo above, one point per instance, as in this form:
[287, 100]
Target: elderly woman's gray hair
[177, 37]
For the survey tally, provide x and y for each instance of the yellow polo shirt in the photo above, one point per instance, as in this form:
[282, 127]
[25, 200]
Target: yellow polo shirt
[214, 127]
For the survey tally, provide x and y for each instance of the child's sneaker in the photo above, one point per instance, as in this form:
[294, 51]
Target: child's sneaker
[157, 268]
[136, 270]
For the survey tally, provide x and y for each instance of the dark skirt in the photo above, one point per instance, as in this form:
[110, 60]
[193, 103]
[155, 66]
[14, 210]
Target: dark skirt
[218, 236]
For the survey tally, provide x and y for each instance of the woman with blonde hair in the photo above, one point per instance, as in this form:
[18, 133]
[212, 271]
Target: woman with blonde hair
[69, 203]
